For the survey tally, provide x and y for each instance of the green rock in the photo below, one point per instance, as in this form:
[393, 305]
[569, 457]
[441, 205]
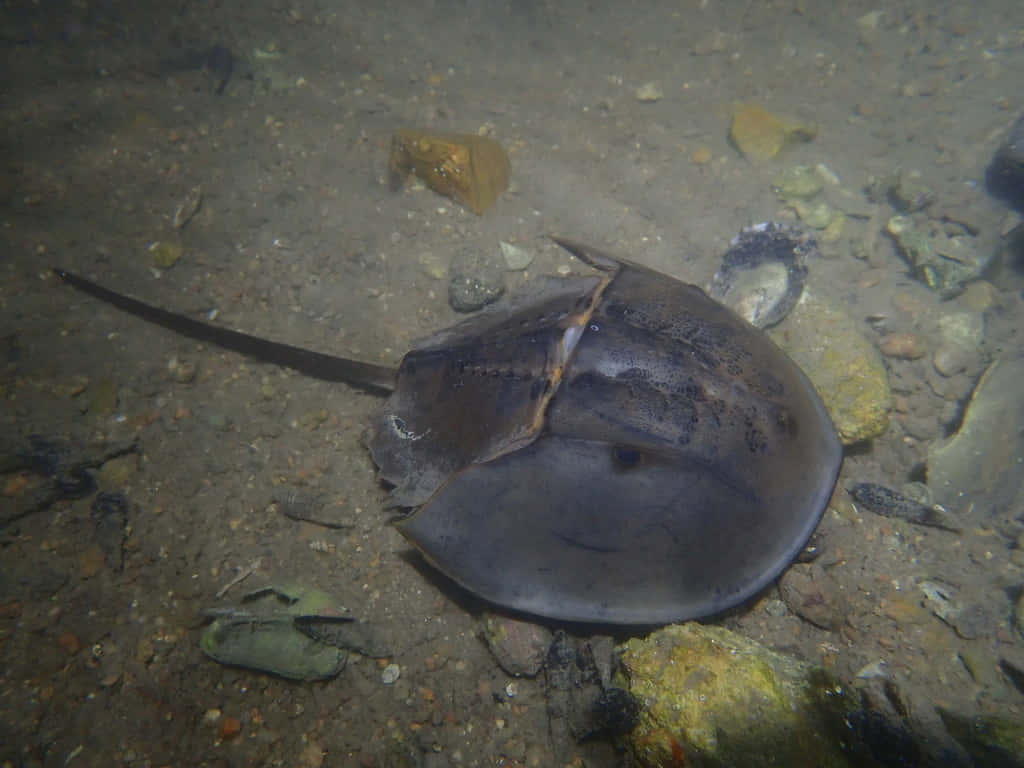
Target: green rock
[264, 634]
[164, 254]
[815, 215]
[945, 263]
[117, 473]
[312, 420]
[800, 181]
[833, 231]
[844, 366]
[990, 740]
[909, 193]
[715, 698]
[103, 398]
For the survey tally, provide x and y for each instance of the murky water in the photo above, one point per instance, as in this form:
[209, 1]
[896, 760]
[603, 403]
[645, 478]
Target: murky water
[616, 121]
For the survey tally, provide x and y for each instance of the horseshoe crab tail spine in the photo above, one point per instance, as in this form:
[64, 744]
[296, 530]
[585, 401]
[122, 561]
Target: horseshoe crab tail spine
[380, 378]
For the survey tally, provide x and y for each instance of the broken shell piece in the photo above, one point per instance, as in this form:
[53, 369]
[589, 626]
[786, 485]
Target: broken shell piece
[471, 169]
[287, 632]
[763, 273]
[188, 207]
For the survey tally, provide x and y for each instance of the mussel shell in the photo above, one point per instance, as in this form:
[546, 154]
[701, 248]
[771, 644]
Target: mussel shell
[763, 273]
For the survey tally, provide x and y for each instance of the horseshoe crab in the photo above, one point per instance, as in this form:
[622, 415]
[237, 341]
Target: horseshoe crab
[614, 448]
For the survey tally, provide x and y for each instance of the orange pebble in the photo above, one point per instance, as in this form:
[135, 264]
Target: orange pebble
[69, 643]
[701, 156]
[230, 727]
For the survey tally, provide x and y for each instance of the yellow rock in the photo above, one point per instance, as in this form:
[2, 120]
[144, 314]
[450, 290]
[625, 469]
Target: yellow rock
[842, 364]
[760, 135]
[834, 230]
[712, 697]
[471, 169]
[165, 254]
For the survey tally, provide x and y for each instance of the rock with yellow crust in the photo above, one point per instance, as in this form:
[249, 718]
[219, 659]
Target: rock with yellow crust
[471, 169]
[714, 698]
[761, 135]
[843, 365]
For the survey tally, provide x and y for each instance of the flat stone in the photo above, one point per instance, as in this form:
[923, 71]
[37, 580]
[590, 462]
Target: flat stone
[761, 135]
[979, 471]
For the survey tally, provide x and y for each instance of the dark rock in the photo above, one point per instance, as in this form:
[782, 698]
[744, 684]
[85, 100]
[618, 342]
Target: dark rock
[1004, 177]
[518, 646]
[477, 279]
[813, 595]
[110, 516]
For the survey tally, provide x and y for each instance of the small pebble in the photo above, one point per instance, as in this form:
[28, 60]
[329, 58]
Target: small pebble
[69, 643]
[230, 728]
[433, 266]
[701, 156]
[980, 295]
[905, 346]
[390, 674]
[91, 561]
[118, 472]
[951, 358]
[165, 255]
[518, 646]
[103, 398]
[476, 278]
[813, 595]
[877, 668]
[649, 92]
[516, 258]
[311, 420]
[183, 372]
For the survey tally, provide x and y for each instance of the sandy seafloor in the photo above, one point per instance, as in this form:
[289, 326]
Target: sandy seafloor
[302, 238]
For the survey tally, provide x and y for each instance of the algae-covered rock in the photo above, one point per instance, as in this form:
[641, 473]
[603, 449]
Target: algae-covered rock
[714, 698]
[990, 740]
[800, 181]
[943, 262]
[844, 366]
[165, 254]
[815, 214]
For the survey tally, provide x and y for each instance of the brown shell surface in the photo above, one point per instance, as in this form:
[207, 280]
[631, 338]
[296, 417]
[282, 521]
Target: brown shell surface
[618, 449]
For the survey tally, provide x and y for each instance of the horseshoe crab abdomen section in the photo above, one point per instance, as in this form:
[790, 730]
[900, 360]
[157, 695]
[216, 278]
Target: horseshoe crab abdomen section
[662, 369]
[480, 389]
